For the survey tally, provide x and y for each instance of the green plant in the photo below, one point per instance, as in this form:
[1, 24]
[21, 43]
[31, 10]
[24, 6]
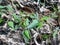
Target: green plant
[11, 24]
[33, 24]
[16, 17]
[45, 36]
[26, 35]
[1, 20]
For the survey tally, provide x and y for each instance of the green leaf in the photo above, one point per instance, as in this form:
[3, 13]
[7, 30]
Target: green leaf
[0, 14]
[26, 22]
[16, 17]
[16, 26]
[9, 7]
[1, 20]
[21, 12]
[55, 32]
[3, 10]
[33, 24]
[45, 36]
[2, 6]
[44, 17]
[33, 15]
[26, 35]
[53, 15]
[11, 24]
[40, 23]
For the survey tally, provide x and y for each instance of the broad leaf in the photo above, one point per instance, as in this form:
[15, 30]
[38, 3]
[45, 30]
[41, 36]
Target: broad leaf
[11, 24]
[33, 24]
[54, 34]
[26, 35]
[40, 23]
[9, 7]
[16, 17]
[2, 6]
[44, 17]
[26, 22]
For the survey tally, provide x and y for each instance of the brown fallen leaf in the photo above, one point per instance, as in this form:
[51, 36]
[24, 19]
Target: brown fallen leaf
[45, 10]
[27, 9]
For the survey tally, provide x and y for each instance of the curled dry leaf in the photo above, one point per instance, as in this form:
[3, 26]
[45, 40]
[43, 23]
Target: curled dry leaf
[52, 21]
[35, 35]
[28, 9]
[45, 28]
[7, 16]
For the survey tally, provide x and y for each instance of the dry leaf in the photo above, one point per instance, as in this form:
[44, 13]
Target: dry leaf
[52, 21]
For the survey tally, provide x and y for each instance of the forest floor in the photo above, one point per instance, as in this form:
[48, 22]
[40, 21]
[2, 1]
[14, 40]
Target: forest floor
[29, 22]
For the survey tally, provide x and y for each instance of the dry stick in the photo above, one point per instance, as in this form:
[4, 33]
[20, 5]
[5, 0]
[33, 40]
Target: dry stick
[13, 5]
[20, 3]
[4, 15]
[35, 36]
[27, 8]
